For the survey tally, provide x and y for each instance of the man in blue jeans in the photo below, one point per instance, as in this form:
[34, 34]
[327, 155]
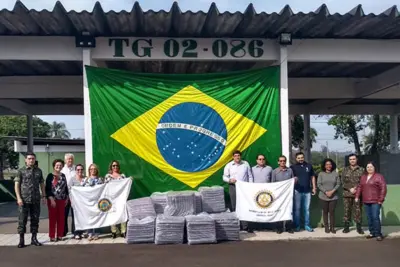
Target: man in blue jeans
[304, 187]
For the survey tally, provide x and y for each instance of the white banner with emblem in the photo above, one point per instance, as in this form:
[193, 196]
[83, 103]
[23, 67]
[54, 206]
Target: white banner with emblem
[100, 205]
[265, 202]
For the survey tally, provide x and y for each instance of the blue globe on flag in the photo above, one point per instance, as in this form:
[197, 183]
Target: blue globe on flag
[191, 137]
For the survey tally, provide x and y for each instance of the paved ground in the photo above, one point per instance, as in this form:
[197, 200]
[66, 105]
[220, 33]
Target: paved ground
[343, 253]
[8, 236]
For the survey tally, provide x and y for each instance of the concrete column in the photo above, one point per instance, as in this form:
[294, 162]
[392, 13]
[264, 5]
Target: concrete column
[291, 117]
[87, 61]
[284, 101]
[307, 143]
[394, 134]
[30, 133]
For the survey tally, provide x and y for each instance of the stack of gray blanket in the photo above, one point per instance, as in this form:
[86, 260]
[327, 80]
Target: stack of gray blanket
[159, 201]
[227, 226]
[169, 230]
[213, 199]
[200, 229]
[140, 231]
[140, 208]
[180, 203]
[199, 207]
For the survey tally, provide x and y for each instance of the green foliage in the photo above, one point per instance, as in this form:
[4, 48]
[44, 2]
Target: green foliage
[17, 126]
[59, 130]
[378, 139]
[347, 126]
[298, 133]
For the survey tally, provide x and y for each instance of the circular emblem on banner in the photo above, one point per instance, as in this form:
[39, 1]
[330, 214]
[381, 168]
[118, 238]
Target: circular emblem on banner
[191, 137]
[264, 199]
[104, 204]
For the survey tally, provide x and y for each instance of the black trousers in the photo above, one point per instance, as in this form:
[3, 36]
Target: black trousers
[328, 208]
[287, 224]
[244, 225]
[66, 212]
[32, 210]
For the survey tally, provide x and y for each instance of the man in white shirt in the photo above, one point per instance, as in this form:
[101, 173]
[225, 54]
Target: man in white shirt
[237, 170]
[69, 171]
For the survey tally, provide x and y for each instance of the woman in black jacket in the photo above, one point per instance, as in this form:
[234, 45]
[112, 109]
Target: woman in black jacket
[57, 199]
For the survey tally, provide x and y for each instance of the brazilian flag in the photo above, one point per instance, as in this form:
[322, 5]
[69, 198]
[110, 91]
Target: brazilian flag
[177, 132]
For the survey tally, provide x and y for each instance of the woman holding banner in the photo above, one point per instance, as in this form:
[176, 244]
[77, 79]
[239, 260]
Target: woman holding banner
[328, 183]
[57, 198]
[77, 180]
[114, 174]
[92, 180]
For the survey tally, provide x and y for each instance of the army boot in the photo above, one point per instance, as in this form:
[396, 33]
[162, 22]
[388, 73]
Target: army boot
[21, 243]
[359, 229]
[346, 228]
[34, 241]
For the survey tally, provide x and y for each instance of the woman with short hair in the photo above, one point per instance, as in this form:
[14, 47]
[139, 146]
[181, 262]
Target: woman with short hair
[328, 183]
[372, 190]
[77, 180]
[57, 195]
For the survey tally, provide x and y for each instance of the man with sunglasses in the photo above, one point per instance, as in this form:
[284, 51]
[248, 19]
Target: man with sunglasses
[69, 171]
[282, 173]
[262, 172]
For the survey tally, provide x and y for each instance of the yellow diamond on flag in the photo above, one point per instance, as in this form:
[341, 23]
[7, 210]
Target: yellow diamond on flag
[189, 136]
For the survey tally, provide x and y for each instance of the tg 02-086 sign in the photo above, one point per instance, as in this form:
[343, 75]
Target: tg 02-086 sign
[184, 48]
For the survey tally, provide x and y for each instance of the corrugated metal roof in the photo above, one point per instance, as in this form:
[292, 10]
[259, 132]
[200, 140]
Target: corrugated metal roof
[296, 69]
[174, 23]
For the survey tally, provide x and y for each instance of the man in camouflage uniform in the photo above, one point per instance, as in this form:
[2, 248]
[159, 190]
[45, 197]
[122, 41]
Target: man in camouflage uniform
[350, 180]
[28, 195]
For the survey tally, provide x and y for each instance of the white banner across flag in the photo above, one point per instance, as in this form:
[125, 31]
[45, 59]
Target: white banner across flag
[100, 205]
[265, 202]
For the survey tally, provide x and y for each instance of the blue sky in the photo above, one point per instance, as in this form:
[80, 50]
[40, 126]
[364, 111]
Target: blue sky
[325, 132]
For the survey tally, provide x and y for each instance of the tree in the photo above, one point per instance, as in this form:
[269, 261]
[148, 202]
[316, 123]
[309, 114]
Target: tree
[347, 126]
[298, 133]
[17, 126]
[59, 130]
[379, 138]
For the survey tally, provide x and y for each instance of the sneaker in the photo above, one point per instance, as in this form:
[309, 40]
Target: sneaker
[298, 229]
[90, 238]
[379, 238]
[96, 237]
[290, 231]
[309, 229]
[279, 231]
[77, 237]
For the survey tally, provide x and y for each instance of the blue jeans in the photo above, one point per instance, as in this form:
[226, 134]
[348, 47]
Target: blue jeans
[301, 201]
[374, 222]
[92, 232]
